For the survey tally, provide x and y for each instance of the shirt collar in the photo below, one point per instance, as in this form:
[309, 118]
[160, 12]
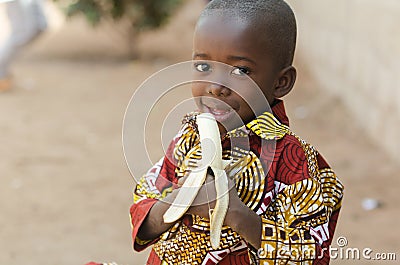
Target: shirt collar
[278, 109]
[269, 126]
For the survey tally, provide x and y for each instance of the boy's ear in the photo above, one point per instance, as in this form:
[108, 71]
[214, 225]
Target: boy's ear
[285, 81]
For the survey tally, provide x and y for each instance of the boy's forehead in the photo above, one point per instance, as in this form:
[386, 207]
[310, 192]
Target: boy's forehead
[229, 26]
[226, 17]
[220, 23]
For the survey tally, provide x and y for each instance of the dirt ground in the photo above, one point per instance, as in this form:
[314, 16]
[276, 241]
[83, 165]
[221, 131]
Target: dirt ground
[65, 190]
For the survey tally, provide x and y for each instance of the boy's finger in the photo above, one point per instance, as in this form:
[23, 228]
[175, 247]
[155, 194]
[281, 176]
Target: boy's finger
[182, 180]
[210, 178]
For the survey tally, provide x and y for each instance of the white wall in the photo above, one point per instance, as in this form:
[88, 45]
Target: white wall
[352, 49]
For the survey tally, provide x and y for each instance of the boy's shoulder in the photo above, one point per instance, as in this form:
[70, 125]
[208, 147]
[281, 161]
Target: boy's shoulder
[298, 155]
[190, 119]
[188, 125]
[292, 140]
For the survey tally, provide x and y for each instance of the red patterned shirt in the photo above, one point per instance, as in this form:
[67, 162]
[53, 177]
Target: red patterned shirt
[278, 175]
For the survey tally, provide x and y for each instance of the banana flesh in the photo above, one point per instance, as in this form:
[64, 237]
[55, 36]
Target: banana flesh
[211, 158]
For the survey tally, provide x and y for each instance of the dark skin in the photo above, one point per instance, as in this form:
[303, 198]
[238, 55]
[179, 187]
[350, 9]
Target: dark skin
[233, 42]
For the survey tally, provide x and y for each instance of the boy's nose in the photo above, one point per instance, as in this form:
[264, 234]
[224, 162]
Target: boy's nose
[218, 90]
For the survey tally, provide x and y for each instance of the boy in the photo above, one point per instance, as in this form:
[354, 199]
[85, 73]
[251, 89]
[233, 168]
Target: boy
[290, 216]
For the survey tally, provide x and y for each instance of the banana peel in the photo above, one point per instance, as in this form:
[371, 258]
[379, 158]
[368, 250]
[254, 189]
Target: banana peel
[211, 158]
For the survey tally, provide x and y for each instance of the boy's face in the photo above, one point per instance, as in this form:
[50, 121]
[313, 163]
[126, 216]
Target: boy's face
[233, 42]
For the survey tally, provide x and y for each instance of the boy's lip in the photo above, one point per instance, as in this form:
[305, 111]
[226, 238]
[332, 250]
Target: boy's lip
[221, 113]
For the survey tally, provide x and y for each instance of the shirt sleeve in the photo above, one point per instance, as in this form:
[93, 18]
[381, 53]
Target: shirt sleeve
[299, 224]
[158, 182]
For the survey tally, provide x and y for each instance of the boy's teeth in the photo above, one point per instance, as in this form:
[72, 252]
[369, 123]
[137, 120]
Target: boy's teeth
[219, 111]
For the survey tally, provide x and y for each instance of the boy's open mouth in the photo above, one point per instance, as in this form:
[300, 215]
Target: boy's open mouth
[221, 112]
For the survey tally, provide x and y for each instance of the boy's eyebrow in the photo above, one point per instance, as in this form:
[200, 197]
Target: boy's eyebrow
[232, 57]
[241, 58]
[200, 55]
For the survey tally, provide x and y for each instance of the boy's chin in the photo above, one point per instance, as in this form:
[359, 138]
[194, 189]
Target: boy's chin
[222, 130]
[228, 126]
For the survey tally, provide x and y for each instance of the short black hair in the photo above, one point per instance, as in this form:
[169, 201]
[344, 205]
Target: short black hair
[274, 18]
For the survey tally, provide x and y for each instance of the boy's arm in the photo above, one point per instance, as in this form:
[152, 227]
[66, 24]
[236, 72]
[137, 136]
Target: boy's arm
[243, 220]
[147, 203]
[155, 189]
[153, 225]
[300, 226]
[299, 223]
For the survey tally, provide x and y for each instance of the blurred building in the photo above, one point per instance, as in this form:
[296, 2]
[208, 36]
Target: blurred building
[352, 49]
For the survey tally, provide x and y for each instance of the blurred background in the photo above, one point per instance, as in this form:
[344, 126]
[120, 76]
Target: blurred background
[65, 190]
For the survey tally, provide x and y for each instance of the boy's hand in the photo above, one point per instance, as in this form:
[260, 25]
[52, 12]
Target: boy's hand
[239, 217]
[206, 197]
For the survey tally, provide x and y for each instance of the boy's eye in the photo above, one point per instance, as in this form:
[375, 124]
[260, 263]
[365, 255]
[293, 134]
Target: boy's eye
[240, 71]
[202, 67]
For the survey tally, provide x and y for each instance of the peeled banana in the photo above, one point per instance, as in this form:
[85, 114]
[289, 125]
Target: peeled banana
[211, 158]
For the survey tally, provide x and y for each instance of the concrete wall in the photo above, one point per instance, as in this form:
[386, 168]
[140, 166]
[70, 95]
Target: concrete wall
[352, 49]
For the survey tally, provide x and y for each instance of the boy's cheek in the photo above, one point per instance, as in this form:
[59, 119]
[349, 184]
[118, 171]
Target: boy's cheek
[222, 129]
[197, 101]
[197, 90]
